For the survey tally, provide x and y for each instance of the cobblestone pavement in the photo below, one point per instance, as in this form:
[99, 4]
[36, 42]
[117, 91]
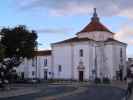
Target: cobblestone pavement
[21, 89]
[18, 91]
[56, 97]
[47, 91]
[131, 97]
[114, 91]
[74, 91]
[97, 93]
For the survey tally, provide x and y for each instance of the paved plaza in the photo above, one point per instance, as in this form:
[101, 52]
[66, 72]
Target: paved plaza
[75, 91]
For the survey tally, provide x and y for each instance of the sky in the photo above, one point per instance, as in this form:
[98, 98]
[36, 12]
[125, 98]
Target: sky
[56, 20]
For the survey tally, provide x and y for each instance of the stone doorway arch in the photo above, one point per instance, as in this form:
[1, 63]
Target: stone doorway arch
[81, 69]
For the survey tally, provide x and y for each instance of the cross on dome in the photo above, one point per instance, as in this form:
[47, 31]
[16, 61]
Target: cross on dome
[95, 16]
[95, 24]
[95, 12]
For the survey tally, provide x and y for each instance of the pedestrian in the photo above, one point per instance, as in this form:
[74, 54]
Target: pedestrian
[130, 88]
[120, 75]
[129, 85]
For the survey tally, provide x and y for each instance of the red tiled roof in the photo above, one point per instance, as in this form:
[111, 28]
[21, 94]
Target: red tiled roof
[43, 53]
[75, 39]
[111, 39]
[95, 26]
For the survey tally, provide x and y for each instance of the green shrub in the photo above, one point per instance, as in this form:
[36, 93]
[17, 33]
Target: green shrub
[106, 80]
[97, 80]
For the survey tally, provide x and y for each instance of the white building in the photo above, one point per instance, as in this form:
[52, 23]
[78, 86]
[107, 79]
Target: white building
[93, 52]
[130, 64]
[38, 67]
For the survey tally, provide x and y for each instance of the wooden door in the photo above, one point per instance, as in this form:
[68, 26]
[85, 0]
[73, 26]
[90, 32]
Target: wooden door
[81, 75]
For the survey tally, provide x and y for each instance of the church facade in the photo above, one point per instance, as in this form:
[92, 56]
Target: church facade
[93, 52]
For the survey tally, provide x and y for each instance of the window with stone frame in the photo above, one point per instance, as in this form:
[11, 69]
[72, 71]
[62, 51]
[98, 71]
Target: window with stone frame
[45, 62]
[33, 73]
[81, 53]
[121, 55]
[33, 62]
[59, 68]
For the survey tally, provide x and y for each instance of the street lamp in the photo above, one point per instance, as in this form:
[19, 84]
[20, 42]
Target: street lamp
[36, 48]
[95, 70]
[36, 51]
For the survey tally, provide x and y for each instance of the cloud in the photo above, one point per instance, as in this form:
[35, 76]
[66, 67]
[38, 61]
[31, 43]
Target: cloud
[106, 8]
[55, 30]
[130, 42]
[74, 7]
[125, 34]
[71, 9]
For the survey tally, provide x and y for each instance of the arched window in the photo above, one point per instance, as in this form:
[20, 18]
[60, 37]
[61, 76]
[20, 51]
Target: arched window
[81, 52]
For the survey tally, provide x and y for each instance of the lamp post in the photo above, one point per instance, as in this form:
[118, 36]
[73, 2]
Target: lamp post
[95, 63]
[36, 48]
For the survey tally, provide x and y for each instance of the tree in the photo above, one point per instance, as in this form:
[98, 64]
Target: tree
[2, 49]
[19, 43]
[1, 59]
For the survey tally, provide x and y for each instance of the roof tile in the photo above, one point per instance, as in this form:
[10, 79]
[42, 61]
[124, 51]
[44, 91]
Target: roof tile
[43, 53]
[95, 26]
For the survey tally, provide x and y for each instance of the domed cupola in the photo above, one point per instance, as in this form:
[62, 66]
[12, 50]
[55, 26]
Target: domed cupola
[94, 27]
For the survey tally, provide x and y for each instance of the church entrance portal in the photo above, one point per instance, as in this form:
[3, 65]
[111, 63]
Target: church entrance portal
[81, 75]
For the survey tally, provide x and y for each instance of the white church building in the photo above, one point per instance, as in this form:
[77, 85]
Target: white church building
[93, 52]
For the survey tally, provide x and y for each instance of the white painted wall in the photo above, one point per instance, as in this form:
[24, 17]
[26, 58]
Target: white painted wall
[85, 59]
[62, 56]
[106, 54]
[116, 57]
[68, 56]
[97, 35]
[27, 67]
